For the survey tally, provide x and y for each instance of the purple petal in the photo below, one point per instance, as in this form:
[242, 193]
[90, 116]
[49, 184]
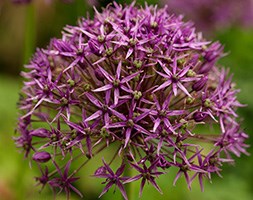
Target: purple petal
[177, 177]
[88, 34]
[108, 167]
[164, 85]
[75, 126]
[159, 146]
[107, 187]
[126, 89]
[76, 190]
[155, 185]
[58, 168]
[128, 78]
[201, 182]
[143, 181]
[120, 170]
[93, 100]
[176, 112]
[174, 88]
[127, 135]
[156, 124]
[106, 74]
[107, 96]
[72, 64]
[137, 167]
[122, 190]
[174, 66]
[99, 60]
[141, 116]
[103, 88]
[184, 71]
[129, 52]
[66, 170]
[118, 70]
[117, 125]
[163, 75]
[116, 96]
[167, 71]
[187, 178]
[135, 178]
[94, 116]
[106, 118]
[140, 129]
[37, 104]
[156, 102]
[116, 113]
[89, 145]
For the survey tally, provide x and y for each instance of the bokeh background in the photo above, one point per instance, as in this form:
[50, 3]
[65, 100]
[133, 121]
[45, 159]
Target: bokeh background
[25, 27]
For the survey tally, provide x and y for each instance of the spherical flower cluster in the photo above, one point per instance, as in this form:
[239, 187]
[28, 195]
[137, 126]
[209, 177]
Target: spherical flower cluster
[214, 15]
[140, 81]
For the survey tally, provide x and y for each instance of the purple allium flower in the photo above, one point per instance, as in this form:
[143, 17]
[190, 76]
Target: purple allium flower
[140, 80]
[212, 15]
[64, 181]
[146, 174]
[112, 178]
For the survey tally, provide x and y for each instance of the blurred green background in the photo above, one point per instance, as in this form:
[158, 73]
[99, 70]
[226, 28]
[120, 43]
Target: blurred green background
[16, 177]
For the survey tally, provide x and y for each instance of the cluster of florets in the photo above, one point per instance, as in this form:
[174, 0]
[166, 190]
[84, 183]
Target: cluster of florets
[215, 15]
[140, 80]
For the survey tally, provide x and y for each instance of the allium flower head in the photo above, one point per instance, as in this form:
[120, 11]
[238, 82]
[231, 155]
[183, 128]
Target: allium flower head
[140, 80]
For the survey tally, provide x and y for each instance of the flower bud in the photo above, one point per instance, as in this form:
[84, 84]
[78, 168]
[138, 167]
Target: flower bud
[100, 170]
[199, 116]
[41, 157]
[199, 85]
[99, 75]
[40, 132]
[206, 67]
[213, 52]
[94, 47]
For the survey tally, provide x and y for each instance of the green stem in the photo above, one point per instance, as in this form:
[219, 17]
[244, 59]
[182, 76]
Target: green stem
[129, 186]
[29, 39]
[30, 32]
[80, 8]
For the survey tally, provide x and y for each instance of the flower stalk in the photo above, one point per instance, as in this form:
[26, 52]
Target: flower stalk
[30, 32]
[129, 186]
